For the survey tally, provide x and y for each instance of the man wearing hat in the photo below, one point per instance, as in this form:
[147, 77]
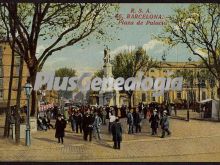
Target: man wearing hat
[87, 125]
[164, 122]
[154, 119]
[116, 129]
[130, 122]
[60, 126]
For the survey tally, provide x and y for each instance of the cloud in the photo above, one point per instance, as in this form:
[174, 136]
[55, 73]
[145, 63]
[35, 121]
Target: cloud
[151, 45]
[122, 48]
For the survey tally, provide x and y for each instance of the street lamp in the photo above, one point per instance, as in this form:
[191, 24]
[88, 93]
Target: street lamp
[28, 89]
[188, 100]
[167, 92]
[188, 95]
[199, 83]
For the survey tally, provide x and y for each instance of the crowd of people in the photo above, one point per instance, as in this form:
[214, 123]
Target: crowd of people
[88, 121]
[43, 123]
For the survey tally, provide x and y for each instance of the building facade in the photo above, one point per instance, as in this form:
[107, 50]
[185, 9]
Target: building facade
[5, 68]
[200, 89]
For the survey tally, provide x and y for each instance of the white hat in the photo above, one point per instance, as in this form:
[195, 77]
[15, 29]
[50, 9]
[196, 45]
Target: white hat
[165, 111]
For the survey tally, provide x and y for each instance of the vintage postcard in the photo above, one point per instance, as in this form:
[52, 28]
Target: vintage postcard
[109, 82]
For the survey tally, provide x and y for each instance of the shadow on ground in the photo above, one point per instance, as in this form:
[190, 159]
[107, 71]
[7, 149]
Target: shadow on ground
[103, 144]
[74, 137]
[46, 139]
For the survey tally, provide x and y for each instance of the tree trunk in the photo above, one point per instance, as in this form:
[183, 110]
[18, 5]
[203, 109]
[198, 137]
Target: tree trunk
[33, 94]
[18, 102]
[218, 92]
[8, 110]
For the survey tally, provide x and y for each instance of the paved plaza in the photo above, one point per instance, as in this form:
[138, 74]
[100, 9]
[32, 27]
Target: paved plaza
[190, 141]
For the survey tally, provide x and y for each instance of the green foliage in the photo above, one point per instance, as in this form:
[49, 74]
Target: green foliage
[127, 64]
[198, 28]
[65, 72]
[61, 24]
[99, 73]
[189, 76]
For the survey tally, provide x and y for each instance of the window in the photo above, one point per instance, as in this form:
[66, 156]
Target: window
[143, 96]
[203, 95]
[179, 95]
[212, 94]
[203, 83]
[166, 96]
[152, 97]
[151, 70]
[1, 93]
[1, 83]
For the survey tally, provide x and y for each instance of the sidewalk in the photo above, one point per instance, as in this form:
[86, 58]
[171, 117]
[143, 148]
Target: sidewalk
[190, 141]
[182, 115]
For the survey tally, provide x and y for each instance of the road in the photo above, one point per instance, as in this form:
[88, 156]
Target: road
[190, 141]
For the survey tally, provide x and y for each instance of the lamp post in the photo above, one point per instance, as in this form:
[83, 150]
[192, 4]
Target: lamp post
[199, 85]
[28, 89]
[188, 101]
[188, 95]
[167, 93]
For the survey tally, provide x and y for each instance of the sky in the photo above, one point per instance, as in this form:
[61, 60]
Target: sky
[90, 58]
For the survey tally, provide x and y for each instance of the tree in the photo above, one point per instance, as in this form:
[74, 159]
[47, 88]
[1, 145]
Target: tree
[65, 72]
[198, 28]
[189, 77]
[99, 73]
[8, 111]
[127, 64]
[61, 24]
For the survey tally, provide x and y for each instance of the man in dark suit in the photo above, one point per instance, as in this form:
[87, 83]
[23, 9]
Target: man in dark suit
[116, 133]
[130, 122]
[87, 126]
[137, 120]
[78, 121]
[154, 119]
